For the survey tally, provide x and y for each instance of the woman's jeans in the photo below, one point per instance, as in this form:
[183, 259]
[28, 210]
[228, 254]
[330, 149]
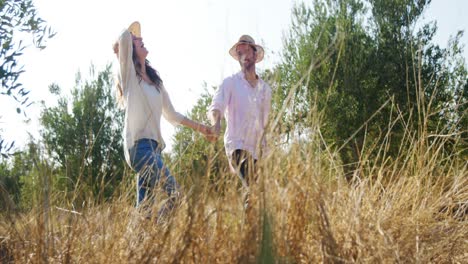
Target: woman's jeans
[146, 160]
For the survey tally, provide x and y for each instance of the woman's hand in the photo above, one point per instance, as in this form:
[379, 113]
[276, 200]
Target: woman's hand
[210, 132]
[205, 130]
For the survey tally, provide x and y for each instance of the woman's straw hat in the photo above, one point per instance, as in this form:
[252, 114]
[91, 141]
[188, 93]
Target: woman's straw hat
[135, 29]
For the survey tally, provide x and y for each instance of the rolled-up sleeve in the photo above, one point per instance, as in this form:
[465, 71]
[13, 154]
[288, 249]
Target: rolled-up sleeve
[168, 111]
[220, 98]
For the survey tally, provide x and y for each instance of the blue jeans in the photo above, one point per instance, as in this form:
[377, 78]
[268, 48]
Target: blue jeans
[146, 160]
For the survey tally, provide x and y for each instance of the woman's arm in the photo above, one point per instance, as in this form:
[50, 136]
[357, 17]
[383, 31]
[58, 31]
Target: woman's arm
[175, 118]
[196, 126]
[168, 111]
[124, 54]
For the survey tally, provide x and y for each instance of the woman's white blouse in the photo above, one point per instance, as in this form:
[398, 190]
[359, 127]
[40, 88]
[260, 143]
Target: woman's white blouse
[143, 103]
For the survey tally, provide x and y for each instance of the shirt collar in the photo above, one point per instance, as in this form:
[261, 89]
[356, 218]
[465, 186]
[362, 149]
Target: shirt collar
[241, 75]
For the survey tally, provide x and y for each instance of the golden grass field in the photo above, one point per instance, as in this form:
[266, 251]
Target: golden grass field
[409, 209]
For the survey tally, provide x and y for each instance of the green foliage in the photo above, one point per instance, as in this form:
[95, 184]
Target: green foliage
[17, 17]
[9, 186]
[36, 177]
[358, 65]
[18, 179]
[83, 137]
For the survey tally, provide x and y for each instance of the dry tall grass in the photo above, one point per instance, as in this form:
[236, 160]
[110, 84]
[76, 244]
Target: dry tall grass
[302, 210]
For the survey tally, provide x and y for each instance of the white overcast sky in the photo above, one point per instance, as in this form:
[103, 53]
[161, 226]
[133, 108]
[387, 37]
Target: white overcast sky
[188, 42]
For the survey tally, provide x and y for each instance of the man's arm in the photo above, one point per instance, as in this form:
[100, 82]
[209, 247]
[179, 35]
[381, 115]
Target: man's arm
[216, 110]
[215, 118]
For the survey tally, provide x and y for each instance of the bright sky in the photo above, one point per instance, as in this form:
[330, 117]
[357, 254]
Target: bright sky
[188, 41]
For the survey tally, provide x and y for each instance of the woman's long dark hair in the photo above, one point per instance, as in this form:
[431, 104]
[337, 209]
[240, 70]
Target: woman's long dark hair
[150, 71]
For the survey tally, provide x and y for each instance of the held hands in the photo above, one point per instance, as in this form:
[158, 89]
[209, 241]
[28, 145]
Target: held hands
[214, 133]
[211, 132]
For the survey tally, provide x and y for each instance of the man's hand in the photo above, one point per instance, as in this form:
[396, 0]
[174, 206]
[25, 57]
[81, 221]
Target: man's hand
[215, 129]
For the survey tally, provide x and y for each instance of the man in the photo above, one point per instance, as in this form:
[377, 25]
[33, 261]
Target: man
[244, 100]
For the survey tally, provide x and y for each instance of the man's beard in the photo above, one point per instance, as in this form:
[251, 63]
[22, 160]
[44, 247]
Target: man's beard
[248, 65]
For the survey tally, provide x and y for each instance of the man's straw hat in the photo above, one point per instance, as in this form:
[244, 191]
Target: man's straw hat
[246, 39]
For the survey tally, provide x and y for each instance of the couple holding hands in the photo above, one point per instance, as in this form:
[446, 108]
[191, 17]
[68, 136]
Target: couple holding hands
[243, 99]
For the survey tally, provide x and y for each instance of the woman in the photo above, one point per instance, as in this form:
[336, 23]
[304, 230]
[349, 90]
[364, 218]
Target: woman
[142, 94]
